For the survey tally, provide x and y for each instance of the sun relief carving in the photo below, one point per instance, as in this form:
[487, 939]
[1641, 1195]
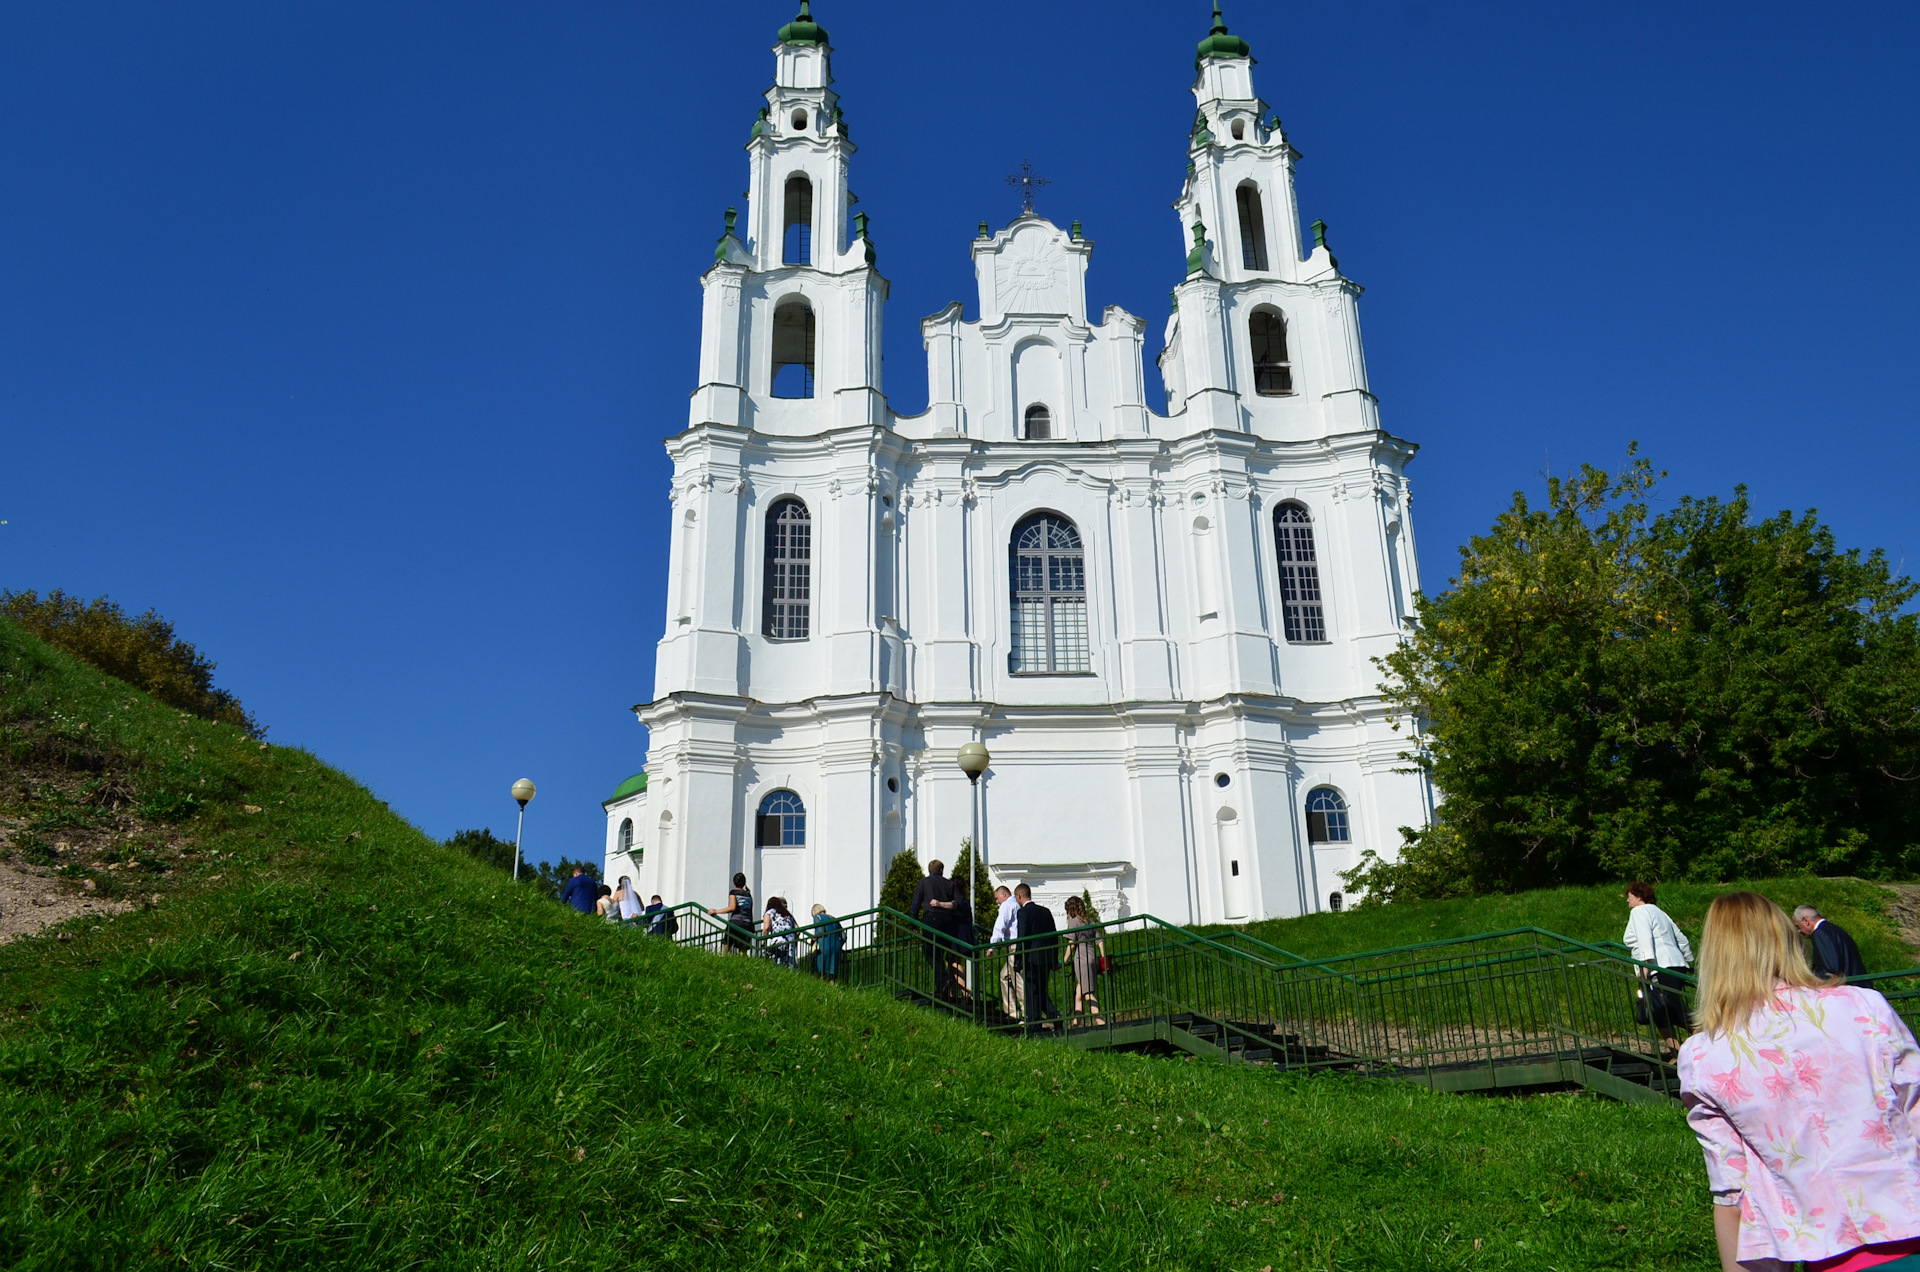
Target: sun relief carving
[1033, 275]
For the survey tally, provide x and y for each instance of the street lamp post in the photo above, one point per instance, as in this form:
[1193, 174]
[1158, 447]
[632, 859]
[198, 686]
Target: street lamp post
[973, 760]
[522, 795]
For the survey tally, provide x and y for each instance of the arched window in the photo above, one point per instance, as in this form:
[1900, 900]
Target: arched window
[782, 822]
[1039, 423]
[796, 244]
[789, 570]
[1300, 606]
[1272, 371]
[1049, 597]
[626, 836]
[1253, 227]
[793, 338]
[1327, 817]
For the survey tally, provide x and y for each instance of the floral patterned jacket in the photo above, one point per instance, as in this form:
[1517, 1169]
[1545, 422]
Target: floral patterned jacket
[1807, 1120]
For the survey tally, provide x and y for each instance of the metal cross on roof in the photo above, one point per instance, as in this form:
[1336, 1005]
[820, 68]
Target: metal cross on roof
[1027, 179]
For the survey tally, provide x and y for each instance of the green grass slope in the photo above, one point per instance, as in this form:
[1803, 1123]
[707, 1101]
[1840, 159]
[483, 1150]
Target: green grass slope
[1587, 914]
[336, 1044]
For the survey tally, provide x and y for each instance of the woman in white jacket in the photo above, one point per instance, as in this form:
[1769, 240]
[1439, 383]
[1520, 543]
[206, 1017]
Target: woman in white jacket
[1654, 938]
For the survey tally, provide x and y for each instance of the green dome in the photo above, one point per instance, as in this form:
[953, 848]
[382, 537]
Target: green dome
[804, 30]
[1219, 44]
[632, 786]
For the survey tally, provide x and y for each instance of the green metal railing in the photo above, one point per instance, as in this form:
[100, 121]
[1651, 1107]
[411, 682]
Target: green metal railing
[1519, 1008]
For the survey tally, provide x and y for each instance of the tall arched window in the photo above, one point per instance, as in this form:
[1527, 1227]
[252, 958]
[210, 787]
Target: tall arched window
[1272, 371]
[789, 570]
[1253, 228]
[1327, 817]
[782, 822]
[793, 339]
[1300, 605]
[1049, 597]
[1039, 423]
[796, 243]
[626, 836]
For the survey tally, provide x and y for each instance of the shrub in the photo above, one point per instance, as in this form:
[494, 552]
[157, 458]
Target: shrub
[142, 650]
[903, 876]
[984, 906]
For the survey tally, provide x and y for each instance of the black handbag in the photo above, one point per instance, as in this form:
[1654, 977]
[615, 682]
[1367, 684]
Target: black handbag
[1658, 1003]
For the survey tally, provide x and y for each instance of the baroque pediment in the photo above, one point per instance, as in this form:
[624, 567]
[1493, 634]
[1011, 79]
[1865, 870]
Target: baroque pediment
[1032, 267]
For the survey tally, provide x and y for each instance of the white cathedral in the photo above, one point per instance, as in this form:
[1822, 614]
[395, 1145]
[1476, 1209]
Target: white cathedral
[1161, 626]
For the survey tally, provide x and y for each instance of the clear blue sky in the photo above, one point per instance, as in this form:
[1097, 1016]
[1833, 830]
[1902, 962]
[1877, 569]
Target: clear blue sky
[345, 335]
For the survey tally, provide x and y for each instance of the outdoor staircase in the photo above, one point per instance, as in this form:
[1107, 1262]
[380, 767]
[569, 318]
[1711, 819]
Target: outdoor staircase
[1515, 1011]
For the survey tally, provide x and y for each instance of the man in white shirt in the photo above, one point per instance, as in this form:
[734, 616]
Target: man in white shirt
[1653, 937]
[1005, 922]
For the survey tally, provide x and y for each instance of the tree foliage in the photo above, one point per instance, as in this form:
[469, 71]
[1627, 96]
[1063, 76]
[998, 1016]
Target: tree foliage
[903, 875]
[1607, 694]
[141, 650]
[483, 845]
[551, 877]
[984, 906]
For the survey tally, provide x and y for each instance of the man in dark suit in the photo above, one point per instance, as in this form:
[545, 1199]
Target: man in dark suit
[1039, 955]
[1834, 953]
[935, 904]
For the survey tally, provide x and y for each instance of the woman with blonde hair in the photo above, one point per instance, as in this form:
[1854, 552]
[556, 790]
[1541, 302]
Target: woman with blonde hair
[1802, 1092]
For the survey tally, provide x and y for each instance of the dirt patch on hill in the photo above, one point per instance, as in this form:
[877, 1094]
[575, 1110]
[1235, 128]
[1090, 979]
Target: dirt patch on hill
[31, 900]
[73, 842]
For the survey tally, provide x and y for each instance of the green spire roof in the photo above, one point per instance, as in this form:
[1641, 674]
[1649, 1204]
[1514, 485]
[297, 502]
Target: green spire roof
[804, 30]
[1217, 44]
[632, 786]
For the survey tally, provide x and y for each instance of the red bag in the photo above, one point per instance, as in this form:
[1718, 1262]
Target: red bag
[1105, 965]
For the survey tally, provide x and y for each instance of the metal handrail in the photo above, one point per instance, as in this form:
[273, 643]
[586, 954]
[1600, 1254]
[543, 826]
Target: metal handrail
[1518, 1006]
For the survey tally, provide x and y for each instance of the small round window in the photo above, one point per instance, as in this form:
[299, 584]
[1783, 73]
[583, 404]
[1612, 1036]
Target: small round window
[893, 784]
[1222, 780]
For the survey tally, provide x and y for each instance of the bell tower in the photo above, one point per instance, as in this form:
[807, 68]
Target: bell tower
[1265, 337]
[790, 335]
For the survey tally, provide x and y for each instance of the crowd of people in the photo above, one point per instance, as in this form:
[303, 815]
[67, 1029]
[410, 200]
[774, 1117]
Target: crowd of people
[1025, 948]
[1802, 1090]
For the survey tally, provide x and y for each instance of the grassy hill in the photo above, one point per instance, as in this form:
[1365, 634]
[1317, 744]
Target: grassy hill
[335, 1043]
[1588, 914]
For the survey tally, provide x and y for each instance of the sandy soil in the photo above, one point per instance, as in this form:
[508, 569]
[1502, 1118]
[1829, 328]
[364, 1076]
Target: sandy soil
[32, 899]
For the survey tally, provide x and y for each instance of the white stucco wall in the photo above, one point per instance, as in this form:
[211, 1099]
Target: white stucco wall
[1107, 780]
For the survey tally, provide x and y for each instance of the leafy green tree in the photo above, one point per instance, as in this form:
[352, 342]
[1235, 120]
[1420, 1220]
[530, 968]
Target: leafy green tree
[551, 877]
[1606, 694]
[903, 875]
[483, 845]
[984, 906]
[141, 650]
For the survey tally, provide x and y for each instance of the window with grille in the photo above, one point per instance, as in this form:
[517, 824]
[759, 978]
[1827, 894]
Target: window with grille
[789, 570]
[1272, 371]
[1327, 817]
[797, 241]
[626, 835]
[793, 342]
[1253, 228]
[1049, 597]
[1039, 423]
[782, 822]
[1300, 605]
